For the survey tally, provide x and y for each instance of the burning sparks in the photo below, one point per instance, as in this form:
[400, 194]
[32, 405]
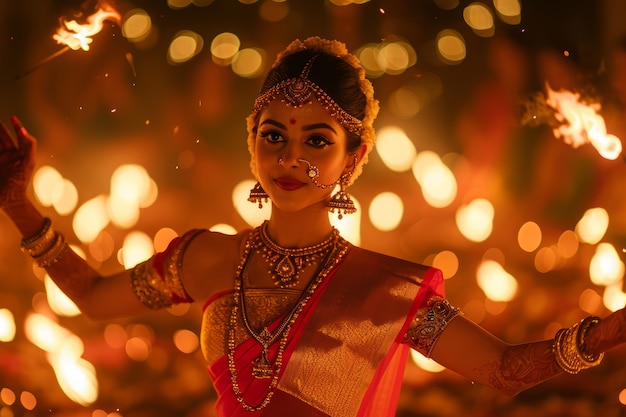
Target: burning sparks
[77, 36]
[582, 124]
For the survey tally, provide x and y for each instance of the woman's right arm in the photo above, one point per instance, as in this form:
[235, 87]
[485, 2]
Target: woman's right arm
[96, 296]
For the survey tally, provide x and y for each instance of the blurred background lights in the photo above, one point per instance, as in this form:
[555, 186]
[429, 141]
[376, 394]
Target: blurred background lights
[185, 45]
[227, 229]
[274, 11]
[496, 283]
[64, 197]
[368, 55]
[7, 396]
[163, 237]
[136, 25]
[546, 259]
[137, 248]
[568, 244]
[451, 47]
[224, 47]
[248, 63]
[447, 4]
[178, 4]
[395, 57]
[593, 225]
[45, 180]
[480, 18]
[439, 187]
[7, 325]
[395, 148]
[529, 236]
[447, 262]
[614, 297]
[509, 11]
[186, 341]
[386, 211]
[475, 220]
[59, 303]
[90, 218]
[605, 267]
[425, 363]
[406, 102]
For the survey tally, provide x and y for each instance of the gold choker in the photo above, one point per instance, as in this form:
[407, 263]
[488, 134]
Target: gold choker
[286, 265]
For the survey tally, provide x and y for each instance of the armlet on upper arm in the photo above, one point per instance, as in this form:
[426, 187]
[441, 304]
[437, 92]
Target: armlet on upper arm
[157, 282]
[428, 324]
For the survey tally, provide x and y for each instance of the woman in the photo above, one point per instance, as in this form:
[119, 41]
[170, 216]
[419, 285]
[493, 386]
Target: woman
[297, 319]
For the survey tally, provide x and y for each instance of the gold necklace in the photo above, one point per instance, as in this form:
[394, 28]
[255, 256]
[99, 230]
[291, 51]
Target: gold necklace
[262, 367]
[285, 265]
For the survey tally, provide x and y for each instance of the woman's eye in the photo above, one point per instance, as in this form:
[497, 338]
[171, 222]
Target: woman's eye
[271, 136]
[318, 141]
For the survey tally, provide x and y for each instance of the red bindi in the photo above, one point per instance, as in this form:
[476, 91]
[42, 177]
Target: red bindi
[292, 121]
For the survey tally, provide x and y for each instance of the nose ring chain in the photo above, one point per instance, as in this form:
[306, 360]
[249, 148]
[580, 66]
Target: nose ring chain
[313, 173]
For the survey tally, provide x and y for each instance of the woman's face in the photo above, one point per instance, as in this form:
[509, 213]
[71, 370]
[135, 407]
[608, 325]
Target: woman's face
[285, 135]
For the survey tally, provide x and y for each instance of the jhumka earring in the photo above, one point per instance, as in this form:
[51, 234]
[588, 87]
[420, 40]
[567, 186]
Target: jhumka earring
[341, 200]
[258, 195]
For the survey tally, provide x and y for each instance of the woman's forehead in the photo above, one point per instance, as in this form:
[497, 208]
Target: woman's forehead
[310, 113]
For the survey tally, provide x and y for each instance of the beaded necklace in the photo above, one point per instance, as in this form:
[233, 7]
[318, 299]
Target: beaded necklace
[261, 366]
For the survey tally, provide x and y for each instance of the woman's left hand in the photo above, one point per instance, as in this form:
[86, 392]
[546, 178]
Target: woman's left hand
[17, 162]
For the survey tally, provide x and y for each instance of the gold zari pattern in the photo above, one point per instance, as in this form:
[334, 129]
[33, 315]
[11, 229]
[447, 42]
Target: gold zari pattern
[569, 347]
[428, 324]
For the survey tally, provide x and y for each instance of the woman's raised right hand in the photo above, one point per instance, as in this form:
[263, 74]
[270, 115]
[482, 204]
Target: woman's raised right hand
[17, 162]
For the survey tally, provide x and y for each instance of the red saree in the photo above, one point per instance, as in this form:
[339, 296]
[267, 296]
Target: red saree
[344, 356]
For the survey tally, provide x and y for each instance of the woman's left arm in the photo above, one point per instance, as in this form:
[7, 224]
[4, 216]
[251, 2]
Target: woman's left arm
[466, 348]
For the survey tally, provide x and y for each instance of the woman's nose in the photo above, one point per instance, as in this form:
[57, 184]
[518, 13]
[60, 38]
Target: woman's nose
[290, 157]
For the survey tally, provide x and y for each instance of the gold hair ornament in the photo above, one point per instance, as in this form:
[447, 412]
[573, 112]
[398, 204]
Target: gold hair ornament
[297, 92]
[338, 49]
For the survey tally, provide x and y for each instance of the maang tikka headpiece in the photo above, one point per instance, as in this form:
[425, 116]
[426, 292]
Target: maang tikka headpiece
[297, 92]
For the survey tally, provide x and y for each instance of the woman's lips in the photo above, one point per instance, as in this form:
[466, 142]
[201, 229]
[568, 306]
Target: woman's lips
[289, 184]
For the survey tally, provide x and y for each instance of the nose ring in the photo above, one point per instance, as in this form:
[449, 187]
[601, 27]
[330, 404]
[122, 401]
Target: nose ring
[313, 173]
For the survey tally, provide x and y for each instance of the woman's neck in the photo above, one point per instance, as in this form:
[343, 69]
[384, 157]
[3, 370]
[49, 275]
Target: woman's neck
[299, 229]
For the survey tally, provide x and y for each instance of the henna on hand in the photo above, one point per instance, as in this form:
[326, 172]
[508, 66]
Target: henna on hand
[522, 366]
[16, 164]
[610, 332]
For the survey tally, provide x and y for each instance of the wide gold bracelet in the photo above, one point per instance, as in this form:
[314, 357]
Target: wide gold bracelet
[569, 347]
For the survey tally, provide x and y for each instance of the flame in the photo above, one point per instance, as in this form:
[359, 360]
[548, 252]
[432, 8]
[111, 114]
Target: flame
[582, 124]
[77, 36]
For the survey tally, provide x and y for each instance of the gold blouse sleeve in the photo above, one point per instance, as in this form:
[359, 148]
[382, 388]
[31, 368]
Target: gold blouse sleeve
[158, 282]
[428, 324]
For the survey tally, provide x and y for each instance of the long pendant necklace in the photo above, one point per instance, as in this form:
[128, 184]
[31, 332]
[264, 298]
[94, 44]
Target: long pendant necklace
[261, 366]
[285, 264]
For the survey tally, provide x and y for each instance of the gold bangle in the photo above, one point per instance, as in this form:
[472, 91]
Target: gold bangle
[568, 347]
[585, 325]
[52, 255]
[41, 242]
